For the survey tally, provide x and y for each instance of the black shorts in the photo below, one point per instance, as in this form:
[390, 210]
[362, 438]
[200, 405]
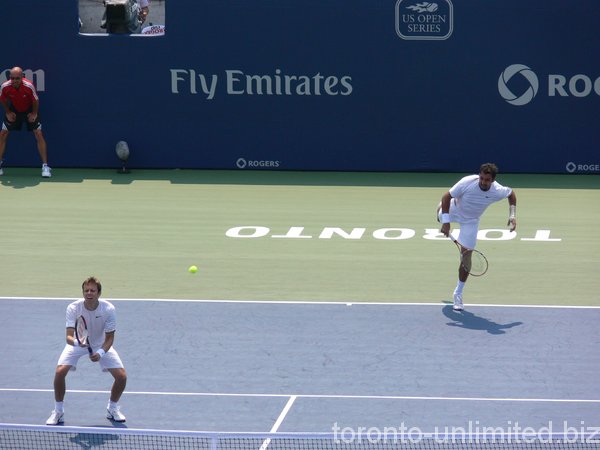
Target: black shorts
[17, 125]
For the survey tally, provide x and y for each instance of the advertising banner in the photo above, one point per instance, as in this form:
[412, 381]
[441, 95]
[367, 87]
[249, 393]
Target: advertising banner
[353, 85]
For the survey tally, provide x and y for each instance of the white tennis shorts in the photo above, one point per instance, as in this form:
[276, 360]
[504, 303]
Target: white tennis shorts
[70, 355]
[467, 234]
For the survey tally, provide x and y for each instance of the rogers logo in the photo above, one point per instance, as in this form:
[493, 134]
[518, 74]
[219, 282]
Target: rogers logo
[529, 93]
[572, 167]
[557, 85]
[242, 163]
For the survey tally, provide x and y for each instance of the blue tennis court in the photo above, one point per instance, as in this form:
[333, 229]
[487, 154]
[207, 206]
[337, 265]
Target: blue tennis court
[311, 367]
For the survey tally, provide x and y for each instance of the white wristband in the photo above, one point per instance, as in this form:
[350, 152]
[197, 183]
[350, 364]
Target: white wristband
[445, 218]
[512, 209]
[100, 352]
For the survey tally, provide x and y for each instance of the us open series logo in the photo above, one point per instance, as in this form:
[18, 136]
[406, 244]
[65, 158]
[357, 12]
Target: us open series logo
[424, 21]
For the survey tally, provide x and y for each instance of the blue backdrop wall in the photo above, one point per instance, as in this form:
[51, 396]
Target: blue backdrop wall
[378, 85]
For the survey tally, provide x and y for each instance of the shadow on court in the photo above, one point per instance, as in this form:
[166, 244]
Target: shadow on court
[19, 178]
[85, 440]
[22, 178]
[29, 177]
[470, 321]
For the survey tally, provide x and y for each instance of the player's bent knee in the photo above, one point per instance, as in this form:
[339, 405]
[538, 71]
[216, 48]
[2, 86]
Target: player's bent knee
[119, 374]
[62, 371]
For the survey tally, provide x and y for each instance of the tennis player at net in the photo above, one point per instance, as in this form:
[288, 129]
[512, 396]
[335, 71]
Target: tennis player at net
[464, 204]
[91, 322]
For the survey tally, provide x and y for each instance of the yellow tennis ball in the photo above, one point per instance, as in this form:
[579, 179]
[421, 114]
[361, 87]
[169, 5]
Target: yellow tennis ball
[192, 269]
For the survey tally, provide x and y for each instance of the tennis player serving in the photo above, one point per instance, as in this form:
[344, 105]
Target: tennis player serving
[95, 322]
[464, 204]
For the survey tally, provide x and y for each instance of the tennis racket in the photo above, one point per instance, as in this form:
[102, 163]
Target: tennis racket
[473, 261]
[81, 333]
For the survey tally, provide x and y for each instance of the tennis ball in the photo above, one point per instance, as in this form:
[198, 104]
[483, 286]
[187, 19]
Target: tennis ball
[192, 269]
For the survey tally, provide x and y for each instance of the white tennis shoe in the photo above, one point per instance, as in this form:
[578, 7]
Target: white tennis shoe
[55, 418]
[46, 171]
[458, 304]
[115, 414]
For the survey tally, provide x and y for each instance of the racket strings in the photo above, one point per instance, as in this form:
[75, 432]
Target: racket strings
[475, 263]
[81, 330]
[478, 262]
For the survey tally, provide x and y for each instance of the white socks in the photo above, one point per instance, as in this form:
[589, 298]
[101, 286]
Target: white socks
[459, 287]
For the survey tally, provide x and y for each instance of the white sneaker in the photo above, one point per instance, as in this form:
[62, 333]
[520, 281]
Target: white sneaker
[115, 414]
[55, 418]
[458, 304]
[46, 171]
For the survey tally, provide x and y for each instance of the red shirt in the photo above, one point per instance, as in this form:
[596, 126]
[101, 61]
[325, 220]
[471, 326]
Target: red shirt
[21, 98]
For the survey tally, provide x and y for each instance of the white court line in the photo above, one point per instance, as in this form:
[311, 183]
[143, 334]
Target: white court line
[277, 423]
[284, 412]
[325, 396]
[298, 302]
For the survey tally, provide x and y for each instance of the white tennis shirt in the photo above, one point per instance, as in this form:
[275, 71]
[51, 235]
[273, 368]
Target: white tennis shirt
[100, 321]
[468, 200]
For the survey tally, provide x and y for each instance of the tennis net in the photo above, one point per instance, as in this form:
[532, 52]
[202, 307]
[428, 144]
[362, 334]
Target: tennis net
[34, 437]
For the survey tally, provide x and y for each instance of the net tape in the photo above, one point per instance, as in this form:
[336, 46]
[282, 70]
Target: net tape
[33, 437]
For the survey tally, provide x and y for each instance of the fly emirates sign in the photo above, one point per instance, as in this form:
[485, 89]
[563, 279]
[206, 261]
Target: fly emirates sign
[236, 82]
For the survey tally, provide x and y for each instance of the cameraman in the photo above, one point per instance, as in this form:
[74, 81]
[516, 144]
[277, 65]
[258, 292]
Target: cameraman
[125, 16]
